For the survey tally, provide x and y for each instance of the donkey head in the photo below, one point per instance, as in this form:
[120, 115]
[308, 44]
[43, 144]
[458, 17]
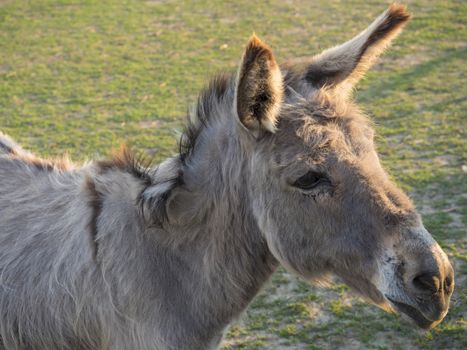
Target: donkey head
[320, 195]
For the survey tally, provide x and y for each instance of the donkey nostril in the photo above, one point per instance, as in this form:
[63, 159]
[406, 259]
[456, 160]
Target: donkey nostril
[427, 282]
[447, 283]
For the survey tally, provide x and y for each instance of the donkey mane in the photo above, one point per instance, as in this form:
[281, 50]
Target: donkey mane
[210, 100]
[126, 160]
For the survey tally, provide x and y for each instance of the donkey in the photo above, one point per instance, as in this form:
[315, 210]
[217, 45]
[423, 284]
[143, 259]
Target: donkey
[277, 166]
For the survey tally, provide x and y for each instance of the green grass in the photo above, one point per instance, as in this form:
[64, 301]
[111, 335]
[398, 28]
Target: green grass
[82, 77]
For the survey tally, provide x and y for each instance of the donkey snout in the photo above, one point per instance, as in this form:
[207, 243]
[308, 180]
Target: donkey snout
[433, 292]
[434, 274]
[432, 284]
[427, 280]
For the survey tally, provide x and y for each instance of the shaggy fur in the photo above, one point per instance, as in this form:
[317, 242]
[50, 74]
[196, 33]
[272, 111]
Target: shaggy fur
[117, 255]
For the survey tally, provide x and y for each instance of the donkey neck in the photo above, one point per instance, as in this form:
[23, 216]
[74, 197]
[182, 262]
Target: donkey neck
[218, 228]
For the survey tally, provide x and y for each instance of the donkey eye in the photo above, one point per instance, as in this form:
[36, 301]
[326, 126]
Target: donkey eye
[310, 180]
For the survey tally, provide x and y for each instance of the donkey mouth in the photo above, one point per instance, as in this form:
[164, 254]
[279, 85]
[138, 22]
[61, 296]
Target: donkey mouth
[415, 315]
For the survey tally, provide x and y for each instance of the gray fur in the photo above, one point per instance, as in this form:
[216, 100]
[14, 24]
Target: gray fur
[114, 255]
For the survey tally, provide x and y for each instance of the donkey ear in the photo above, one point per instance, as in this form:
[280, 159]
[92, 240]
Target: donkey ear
[350, 61]
[259, 88]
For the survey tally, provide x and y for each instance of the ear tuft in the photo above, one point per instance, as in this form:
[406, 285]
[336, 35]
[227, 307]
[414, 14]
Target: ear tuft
[399, 13]
[259, 87]
[350, 61]
[390, 24]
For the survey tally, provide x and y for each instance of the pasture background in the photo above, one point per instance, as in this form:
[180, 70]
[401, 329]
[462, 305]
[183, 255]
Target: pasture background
[82, 77]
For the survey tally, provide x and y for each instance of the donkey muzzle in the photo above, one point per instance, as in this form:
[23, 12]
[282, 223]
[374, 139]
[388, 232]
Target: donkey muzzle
[428, 279]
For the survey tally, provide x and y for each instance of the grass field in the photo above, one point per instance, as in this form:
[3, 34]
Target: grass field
[82, 77]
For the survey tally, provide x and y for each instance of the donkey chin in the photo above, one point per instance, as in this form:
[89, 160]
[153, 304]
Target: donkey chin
[416, 279]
